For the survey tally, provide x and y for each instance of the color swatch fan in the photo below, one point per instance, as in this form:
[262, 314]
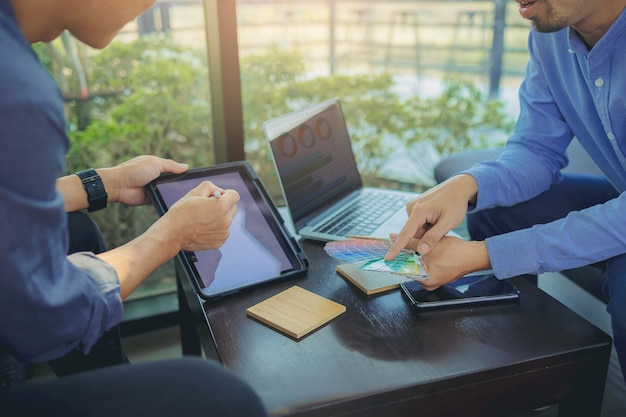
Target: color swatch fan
[369, 254]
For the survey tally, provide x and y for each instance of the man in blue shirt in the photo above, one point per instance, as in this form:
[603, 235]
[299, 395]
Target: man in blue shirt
[526, 217]
[52, 304]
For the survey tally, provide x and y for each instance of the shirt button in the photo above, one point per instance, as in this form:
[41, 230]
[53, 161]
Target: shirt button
[599, 82]
[611, 136]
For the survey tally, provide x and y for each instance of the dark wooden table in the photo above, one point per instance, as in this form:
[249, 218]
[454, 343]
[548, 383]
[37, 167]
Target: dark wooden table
[379, 358]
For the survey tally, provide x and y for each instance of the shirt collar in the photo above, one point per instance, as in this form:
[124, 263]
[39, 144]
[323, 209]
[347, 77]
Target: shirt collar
[617, 29]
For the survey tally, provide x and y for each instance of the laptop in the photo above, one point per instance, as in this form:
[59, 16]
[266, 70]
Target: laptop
[317, 171]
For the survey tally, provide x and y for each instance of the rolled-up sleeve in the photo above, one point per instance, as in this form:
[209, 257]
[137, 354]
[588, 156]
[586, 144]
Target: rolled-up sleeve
[50, 303]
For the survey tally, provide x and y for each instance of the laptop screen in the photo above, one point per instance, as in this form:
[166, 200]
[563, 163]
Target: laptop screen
[314, 159]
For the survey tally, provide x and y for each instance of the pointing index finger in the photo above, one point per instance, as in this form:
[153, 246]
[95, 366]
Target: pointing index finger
[401, 241]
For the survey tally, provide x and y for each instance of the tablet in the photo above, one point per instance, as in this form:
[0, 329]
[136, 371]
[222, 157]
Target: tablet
[259, 249]
[473, 289]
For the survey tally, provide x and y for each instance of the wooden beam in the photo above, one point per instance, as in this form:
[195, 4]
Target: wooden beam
[223, 57]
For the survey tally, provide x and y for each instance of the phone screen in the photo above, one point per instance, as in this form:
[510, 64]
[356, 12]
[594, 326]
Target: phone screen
[480, 288]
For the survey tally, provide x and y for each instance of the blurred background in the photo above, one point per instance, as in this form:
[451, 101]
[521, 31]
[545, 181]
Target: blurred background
[194, 80]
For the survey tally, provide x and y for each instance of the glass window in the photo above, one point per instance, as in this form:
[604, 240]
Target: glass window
[417, 79]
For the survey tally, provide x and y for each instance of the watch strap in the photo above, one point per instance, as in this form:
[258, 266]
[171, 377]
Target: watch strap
[96, 194]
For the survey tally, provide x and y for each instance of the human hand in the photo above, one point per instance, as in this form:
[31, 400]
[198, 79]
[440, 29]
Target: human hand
[125, 183]
[199, 221]
[451, 259]
[433, 214]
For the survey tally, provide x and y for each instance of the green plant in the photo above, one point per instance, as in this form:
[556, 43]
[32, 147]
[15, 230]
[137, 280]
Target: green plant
[152, 96]
[379, 119]
[275, 83]
[461, 117]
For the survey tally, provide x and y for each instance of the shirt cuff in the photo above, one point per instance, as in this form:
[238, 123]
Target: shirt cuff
[512, 254]
[103, 274]
[104, 278]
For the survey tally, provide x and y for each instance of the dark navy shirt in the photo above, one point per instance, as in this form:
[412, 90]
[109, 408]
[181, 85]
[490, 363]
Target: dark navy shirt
[49, 304]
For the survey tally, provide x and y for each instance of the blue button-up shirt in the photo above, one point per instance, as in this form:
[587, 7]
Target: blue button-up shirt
[49, 304]
[568, 92]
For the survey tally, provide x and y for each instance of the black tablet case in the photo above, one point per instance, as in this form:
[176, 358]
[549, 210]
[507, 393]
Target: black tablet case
[238, 258]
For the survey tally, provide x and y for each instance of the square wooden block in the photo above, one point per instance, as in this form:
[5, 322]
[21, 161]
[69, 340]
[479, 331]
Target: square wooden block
[296, 311]
[371, 282]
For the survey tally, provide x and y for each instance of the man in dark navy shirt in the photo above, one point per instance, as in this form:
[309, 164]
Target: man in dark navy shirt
[52, 304]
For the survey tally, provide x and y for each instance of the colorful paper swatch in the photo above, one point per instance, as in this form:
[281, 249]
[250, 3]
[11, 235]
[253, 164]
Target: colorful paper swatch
[369, 254]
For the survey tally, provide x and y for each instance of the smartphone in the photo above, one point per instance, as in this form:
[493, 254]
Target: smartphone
[470, 290]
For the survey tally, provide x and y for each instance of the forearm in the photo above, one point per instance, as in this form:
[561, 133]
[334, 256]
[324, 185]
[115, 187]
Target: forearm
[74, 194]
[71, 188]
[124, 183]
[195, 222]
[466, 185]
[137, 259]
[478, 258]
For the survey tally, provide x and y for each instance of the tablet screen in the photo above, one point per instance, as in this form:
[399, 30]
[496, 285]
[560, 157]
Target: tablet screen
[257, 249]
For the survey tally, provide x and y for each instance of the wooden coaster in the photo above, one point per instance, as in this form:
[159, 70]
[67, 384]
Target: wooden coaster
[371, 282]
[296, 311]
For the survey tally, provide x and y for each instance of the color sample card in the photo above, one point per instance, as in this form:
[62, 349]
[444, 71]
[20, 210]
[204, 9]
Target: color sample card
[296, 311]
[358, 250]
[369, 255]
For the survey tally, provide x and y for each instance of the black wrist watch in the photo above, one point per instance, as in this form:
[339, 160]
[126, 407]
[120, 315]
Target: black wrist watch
[96, 194]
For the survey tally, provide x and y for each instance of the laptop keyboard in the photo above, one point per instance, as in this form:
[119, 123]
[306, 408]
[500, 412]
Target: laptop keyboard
[365, 215]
